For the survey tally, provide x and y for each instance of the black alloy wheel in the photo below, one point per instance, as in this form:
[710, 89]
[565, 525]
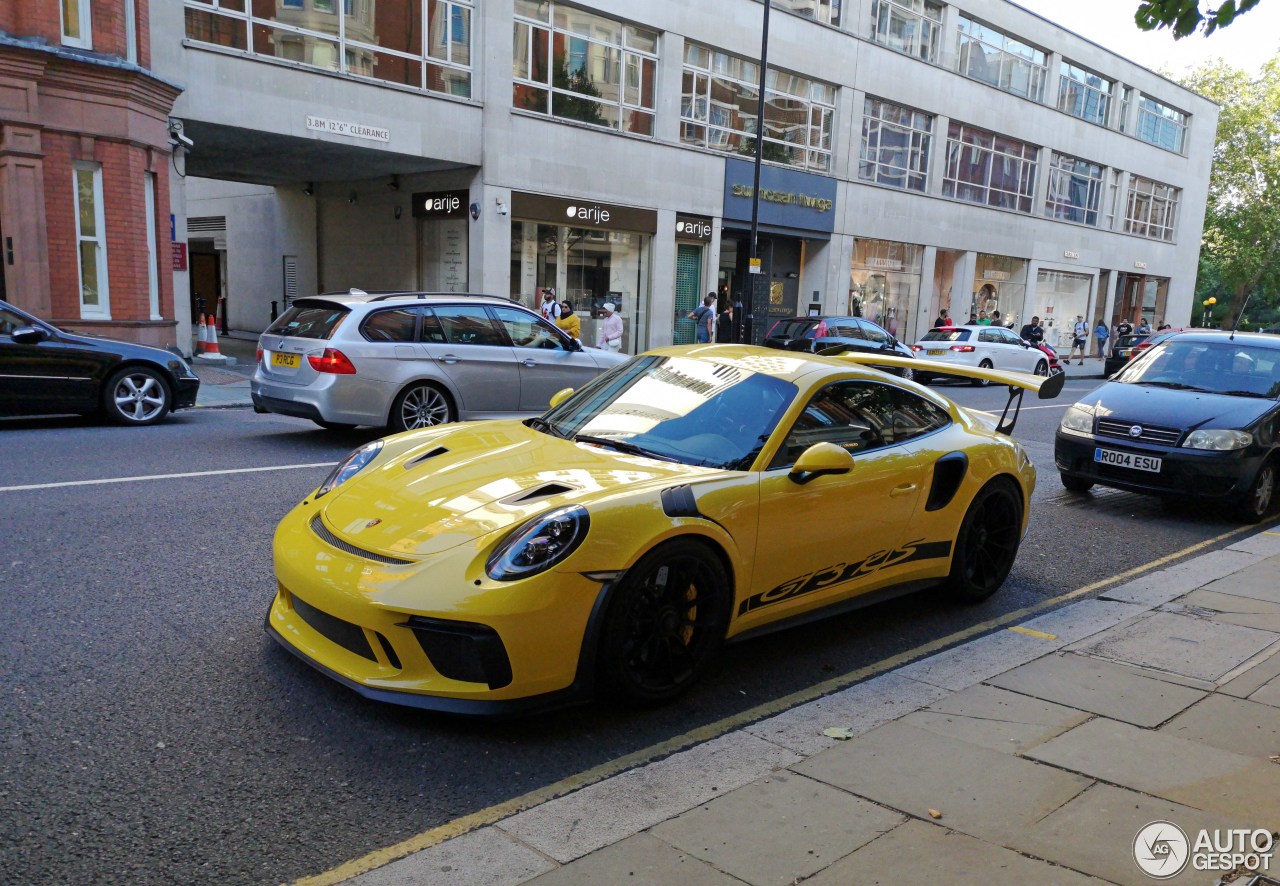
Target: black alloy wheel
[1261, 497]
[665, 621]
[982, 382]
[421, 406]
[987, 542]
[136, 395]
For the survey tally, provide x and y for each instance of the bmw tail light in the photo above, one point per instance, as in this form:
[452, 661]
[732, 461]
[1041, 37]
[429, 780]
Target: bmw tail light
[332, 361]
[259, 357]
[964, 349]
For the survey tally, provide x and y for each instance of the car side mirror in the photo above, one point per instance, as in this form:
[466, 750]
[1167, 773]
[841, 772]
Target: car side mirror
[560, 396]
[820, 459]
[29, 335]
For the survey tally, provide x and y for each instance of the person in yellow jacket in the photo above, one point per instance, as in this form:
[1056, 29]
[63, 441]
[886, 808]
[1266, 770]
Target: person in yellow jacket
[568, 320]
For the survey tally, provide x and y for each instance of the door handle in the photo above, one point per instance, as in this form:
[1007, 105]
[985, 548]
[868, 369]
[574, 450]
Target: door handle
[904, 489]
[530, 362]
[449, 358]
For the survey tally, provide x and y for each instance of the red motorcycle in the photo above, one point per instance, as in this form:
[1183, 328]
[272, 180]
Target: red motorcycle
[1055, 365]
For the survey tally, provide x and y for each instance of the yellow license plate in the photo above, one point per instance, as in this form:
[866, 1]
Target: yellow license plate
[289, 360]
[932, 352]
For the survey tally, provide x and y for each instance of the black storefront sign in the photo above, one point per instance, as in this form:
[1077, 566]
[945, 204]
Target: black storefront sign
[583, 213]
[440, 204]
[693, 227]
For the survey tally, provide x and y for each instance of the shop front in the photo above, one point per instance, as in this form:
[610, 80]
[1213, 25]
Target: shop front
[1141, 297]
[999, 284]
[884, 284]
[1060, 297]
[442, 219]
[693, 235]
[795, 211]
[591, 254]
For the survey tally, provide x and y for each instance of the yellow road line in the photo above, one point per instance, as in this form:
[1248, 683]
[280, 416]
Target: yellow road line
[1033, 633]
[459, 826]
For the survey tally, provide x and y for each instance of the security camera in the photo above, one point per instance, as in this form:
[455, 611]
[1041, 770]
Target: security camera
[177, 138]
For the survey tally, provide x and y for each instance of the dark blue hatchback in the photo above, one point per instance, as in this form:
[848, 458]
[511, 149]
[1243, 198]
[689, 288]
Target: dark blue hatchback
[1197, 416]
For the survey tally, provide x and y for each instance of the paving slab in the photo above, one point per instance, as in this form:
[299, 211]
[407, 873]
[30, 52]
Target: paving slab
[1236, 610]
[1268, 693]
[1101, 687]
[979, 791]
[1246, 683]
[1180, 644]
[1266, 543]
[640, 860]
[571, 826]
[1176, 769]
[1094, 833]
[1080, 620]
[996, 718]
[777, 829]
[1183, 578]
[925, 853]
[1233, 724]
[857, 709]
[486, 857]
[975, 661]
[1261, 581]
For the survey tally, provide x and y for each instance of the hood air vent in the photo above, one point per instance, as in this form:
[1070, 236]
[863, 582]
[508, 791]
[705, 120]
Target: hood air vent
[536, 494]
[414, 462]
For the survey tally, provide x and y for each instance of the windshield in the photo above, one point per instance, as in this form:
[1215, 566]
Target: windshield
[695, 412]
[308, 320]
[1217, 367]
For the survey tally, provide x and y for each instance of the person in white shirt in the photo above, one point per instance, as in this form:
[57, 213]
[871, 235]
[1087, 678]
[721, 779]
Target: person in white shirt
[609, 336]
[1079, 339]
[550, 307]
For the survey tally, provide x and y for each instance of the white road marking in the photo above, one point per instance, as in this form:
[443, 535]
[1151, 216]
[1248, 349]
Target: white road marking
[322, 464]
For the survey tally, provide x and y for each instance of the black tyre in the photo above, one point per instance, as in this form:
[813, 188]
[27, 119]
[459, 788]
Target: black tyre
[136, 395]
[421, 406]
[1260, 500]
[333, 425]
[665, 621]
[987, 543]
[907, 374]
[1042, 368]
[1075, 484]
[981, 382]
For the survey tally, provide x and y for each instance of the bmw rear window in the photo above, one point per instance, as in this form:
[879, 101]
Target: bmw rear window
[316, 320]
[946, 335]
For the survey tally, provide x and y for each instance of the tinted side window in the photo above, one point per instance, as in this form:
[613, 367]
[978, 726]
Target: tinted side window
[988, 335]
[431, 330]
[396, 324]
[468, 325]
[10, 320]
[1009, 338]
[309, 320]
[529, 331]
[914, 416]
[843, 329]
[875, 333]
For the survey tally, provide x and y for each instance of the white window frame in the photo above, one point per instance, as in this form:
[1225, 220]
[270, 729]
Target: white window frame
[102, 310]
[917, 135]
[84, 21]
[1010, 55]
[918, 22]
[1151, 209]
[153, 272]
[1156, 120]
[1074, 77]
[1064, 170]
[131, 31]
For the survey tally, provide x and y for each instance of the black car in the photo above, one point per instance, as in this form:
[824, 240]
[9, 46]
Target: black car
[835, 334]
[1196, 416]
[1124, 348]
[45, 371]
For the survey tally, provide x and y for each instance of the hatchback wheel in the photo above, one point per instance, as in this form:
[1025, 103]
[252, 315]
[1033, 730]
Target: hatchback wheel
[987, 543]
[1042, 368]
[137, 395]
[421, 406]
[665, 621]
[981, 382]
[1261, 497]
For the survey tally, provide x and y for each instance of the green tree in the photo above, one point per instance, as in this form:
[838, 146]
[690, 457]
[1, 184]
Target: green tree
[1184, 17]
[1240, 251]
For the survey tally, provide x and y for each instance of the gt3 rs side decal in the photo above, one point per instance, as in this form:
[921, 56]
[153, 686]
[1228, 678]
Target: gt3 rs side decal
[843, 572]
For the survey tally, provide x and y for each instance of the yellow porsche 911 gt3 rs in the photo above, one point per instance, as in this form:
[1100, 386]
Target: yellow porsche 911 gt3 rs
[691, 496]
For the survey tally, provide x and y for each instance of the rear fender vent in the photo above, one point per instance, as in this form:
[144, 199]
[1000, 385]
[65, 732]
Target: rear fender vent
[414, 462]
[546, 490]
[948, 474]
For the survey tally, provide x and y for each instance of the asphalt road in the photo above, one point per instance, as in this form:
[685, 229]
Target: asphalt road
[151, 733]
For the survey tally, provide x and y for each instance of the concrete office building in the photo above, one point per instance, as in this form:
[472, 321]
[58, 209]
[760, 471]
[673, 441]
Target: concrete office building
[918, 155]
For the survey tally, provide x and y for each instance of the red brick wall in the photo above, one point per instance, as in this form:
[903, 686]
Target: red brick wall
[42, 18]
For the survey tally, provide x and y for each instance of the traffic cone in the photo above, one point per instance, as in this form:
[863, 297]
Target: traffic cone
[211, 344]
[202, 336]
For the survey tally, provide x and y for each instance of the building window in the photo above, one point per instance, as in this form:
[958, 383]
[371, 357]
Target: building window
[131, 31]
[719, 102]
[1126, 99]
[91, 241]
[1075, 190]
[1151, 210]
[580, 66]
[426, 46]
[1084, 94]
[990, 169]
[1000, 60]
[910, 26]
[77, 23]
[1161, 125]
[895, 145]
[153, 275]
[825, 11]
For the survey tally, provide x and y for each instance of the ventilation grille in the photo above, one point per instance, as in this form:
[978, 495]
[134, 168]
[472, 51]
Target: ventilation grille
[537, 493]
[414, 462]
[318, 527]
[1108, 427]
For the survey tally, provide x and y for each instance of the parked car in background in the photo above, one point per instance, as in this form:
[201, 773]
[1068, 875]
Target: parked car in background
[1125, 347]
[46, 371]
[987, 347]
[1196, 416]
[411, 360]
[835, 335]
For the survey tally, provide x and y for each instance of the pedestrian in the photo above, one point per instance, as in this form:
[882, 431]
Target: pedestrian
[983, 319]
[1033, 332]
[1123, 328]
[568, 320]
[1100, 333]
[1079, 338]
[550, 307]
[704, 319]
[1162, 326]
[609, 336]
[1143, 327]
[995, 319]
[943, 320]
[973, 318]
[726, 328]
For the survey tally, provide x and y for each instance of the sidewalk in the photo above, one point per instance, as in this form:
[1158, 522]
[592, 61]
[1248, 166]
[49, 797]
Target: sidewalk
[1032, 755]
[226, 384]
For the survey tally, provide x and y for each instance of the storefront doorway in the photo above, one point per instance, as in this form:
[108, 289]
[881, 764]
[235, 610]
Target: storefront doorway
[770, 296]
[1139, 296]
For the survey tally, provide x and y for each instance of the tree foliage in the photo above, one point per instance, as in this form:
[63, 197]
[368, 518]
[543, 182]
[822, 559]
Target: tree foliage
[1240, 251]
[1184, 17]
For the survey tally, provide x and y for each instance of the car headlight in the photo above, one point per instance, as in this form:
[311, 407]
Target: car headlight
[1078, 419]
[1222, 441]
[539, 544]
[349, 467]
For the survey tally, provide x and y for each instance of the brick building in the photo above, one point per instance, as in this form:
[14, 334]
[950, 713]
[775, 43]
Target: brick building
[85, 159]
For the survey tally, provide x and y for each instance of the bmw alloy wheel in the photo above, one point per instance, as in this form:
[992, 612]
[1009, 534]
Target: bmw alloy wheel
[421, 406]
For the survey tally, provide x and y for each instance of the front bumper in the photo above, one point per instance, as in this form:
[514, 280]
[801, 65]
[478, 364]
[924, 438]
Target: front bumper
[184, 392]
[1194, 472]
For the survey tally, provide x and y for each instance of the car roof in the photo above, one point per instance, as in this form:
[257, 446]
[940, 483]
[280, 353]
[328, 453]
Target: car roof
[355, 297]
[785, 365]
[1217, 335]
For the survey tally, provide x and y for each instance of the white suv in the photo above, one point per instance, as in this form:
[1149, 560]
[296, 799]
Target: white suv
[410, 360]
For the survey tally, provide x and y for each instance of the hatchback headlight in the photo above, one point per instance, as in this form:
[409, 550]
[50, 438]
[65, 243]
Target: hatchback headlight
[539, 544]
[1078, 419]
[1222, 441]
[349, 467]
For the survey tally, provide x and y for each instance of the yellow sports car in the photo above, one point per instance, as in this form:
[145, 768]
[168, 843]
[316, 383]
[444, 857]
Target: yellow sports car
[688, 497]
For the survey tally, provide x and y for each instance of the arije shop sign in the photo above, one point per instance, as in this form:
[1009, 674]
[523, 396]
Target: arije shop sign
[440, 204]
[582, 213]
